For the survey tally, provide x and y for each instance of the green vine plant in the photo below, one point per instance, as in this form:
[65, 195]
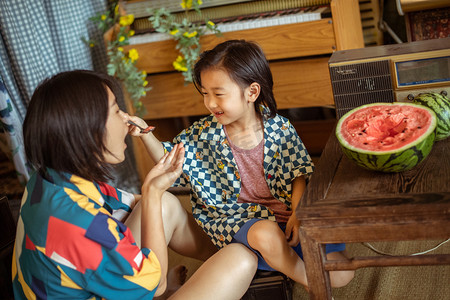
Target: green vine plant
[122, 64]
[186, 33]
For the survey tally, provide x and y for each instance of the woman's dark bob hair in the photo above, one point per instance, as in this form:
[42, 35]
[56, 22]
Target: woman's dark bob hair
[245, 63]
[64, 128]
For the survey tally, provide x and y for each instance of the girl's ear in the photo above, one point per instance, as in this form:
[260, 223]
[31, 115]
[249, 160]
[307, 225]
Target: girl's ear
[253, 92]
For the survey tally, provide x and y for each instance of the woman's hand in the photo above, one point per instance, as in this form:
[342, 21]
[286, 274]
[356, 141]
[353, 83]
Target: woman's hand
[166, 171]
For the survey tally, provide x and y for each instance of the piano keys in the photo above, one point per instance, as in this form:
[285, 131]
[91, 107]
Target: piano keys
[253, 21]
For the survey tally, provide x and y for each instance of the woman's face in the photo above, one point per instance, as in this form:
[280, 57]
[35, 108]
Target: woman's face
[116, 131]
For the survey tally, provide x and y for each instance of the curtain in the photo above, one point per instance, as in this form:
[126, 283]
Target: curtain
[40, 38]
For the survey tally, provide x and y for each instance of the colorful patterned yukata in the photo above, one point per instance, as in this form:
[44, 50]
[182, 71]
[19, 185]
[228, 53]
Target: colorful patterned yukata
[71, 244]
[210, 171]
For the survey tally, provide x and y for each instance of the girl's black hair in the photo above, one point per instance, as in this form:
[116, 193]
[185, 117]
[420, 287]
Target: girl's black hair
[64, 128]
[245, 63]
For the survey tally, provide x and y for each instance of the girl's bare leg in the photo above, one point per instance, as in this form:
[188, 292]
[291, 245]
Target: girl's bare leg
[182, 233]
[266, 237]
[339, 278]
[225, 275]
[280, 256]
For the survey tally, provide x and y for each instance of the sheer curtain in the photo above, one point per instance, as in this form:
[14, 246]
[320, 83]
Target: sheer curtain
[40, 38]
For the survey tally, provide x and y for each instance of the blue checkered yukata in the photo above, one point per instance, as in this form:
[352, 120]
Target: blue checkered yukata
[211, 173]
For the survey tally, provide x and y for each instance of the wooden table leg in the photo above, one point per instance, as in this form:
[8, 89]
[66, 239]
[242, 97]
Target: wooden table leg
[314, 257]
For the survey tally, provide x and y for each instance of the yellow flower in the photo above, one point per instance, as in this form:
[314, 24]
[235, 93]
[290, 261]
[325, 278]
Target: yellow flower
[144, 74]
[180, 64]
[121, 38]
[131, 32]
[133, 55]
[116, 9]
[126, 20]
[144, 93]
[91, 45]
[190, 35]
[175, 31]
[145, 83]
[211, 24]
[200, 2]
[186, 4]
[103, 17]
[120, 49]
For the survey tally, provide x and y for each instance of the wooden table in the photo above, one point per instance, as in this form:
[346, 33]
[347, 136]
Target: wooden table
[344, 203]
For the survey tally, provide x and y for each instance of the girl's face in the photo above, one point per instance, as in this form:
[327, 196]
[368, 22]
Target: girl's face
[225, 99]
[116, 131]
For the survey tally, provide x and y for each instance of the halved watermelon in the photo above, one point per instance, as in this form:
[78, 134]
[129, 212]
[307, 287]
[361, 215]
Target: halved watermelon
[387, 137]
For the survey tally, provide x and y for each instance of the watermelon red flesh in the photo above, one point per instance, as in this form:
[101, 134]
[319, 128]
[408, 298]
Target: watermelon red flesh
[389, 137]
[381, 128]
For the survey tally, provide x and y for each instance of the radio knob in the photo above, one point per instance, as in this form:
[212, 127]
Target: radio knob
[444, 93]
[410, 97]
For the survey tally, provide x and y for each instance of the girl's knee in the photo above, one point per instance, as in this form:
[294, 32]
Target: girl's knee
[266, 237]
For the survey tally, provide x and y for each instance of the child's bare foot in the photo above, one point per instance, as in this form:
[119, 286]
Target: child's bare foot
[176, 277]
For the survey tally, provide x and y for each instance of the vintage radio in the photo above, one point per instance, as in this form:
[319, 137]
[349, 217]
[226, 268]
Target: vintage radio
[389, 73]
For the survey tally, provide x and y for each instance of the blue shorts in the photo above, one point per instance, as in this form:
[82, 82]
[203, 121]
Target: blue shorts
[241, 237]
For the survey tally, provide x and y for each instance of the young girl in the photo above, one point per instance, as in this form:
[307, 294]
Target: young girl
[71, 241]
[245, 164]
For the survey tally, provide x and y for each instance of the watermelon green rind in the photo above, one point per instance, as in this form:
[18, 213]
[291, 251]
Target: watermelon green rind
[398, 160]
[440, 104]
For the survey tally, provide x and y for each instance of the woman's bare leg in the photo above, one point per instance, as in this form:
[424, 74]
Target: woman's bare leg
[183, 235]
[225, 275]
[280, 256]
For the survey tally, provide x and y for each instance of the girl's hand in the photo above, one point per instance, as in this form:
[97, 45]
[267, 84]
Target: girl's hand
[133, 130]
[166, 171]
[292, 227]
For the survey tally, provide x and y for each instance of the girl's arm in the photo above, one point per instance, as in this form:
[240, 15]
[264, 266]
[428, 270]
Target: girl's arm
[153, 146]
[293, 224]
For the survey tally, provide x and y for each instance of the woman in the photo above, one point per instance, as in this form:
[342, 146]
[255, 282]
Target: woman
[71, 240]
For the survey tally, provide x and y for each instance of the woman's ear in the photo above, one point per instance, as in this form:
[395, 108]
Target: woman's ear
[253, 92]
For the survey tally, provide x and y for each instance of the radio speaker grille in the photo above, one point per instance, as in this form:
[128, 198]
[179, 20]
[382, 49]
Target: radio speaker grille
[359, 84]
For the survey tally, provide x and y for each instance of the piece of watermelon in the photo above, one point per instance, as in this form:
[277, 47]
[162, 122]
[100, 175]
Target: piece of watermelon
[387, 137]
[440, 104]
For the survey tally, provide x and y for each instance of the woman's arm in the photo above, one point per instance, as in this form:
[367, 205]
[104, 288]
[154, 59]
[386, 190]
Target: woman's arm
[158, 180]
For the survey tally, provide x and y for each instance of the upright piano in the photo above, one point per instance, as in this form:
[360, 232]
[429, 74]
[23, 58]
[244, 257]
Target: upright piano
[298, 54]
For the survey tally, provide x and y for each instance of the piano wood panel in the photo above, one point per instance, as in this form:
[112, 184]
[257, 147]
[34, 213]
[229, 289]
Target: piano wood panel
[297, 40]
[298, 83]
[347, 24]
